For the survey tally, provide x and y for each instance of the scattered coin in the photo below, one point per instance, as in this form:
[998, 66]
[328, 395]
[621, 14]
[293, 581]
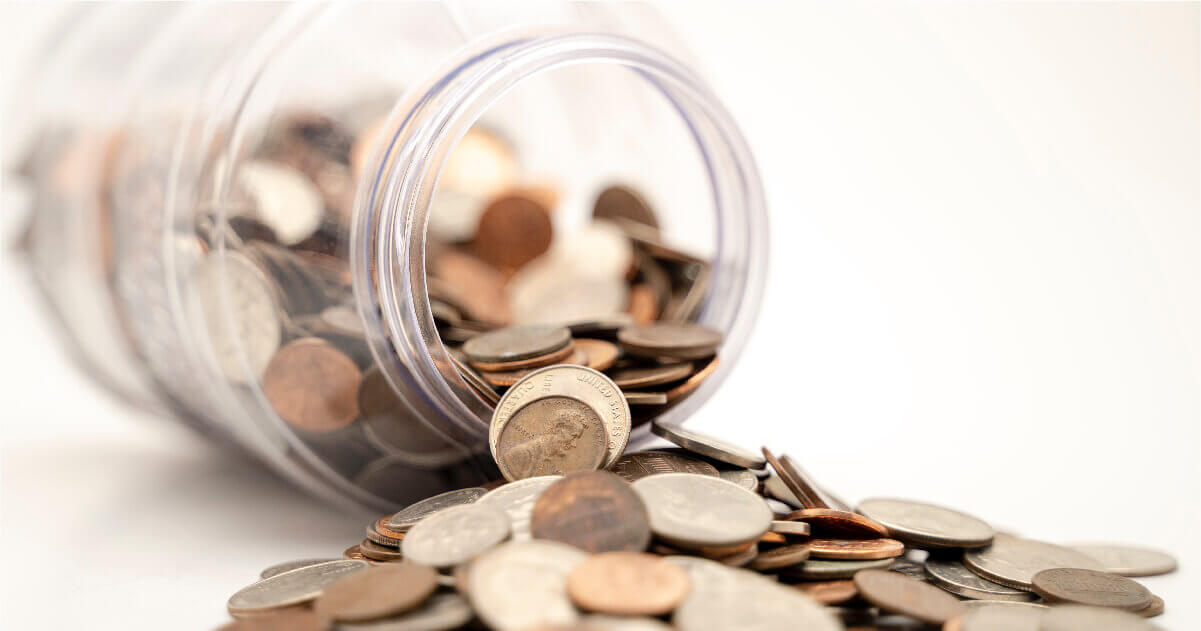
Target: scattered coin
[623, 202]
[1128, 560]
[516, 343]
[313, 385]
[549, 436]
[645, 398]
[1084, 618]
[377, 552]
[280, 568]
[407, 518]
[1013, 561]
[742, 477]
[676, 340]
[829, 592]
[898, 593]
[595, 511]
[287, 619]
[724, 598]
[601, 354]
[376, 592]
[1154, 609]
[1090, 587]
[638, 465]
[928, 525]
[290, 588]
[441, 612]
[997, 617]
[855, 549]
[521, 585]
[708, 446]
[826, 570]
[695, 510]
[798, 528]
[781, 557]
[836, 524]
[455, 535]
[951, 575]
[627, 584]
[517, 500]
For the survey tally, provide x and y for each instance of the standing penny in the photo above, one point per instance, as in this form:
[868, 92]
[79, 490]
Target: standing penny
[829, 592]
[708, 446]
[836, 524]
[313, 385]
[1014, 561]
[377, 592]
[856, 549]
[623, 203]
[1090, 587]
[781, 557]
[645, 377]
[595, 511]
[455, 535]
[627, 584]
[928, 525]
[898, 593]
[601, 354]
[290, 588]
[516, 343]
[679, 340]
[1129, 560]
[513, 231]
[636, 466]
[549, 436]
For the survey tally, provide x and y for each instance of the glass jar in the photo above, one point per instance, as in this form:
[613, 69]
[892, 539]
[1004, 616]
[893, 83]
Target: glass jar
[218, 186]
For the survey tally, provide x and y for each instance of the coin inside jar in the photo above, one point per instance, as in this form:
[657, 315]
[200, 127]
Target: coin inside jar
[664, 339]
[628, 584]
[313, 385]
[551, 435]
[647, 376]
[516, 343]
[514, 230]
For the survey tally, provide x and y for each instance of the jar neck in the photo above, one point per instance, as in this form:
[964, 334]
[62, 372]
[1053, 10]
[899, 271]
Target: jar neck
[394, 199]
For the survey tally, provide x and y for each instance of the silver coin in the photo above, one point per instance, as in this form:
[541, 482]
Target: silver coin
[927, 525]
[290, 588]
[742, 477]
[599, 622]
[284, 199]
[777, 507]
[952, 576]
[784, 527]
[724, 598]
[826, 569]
[1013, 561]
[1128, 560]
[288, 566]
[546, 291]
[455, 535]
[521, 585]
[1001, 618]
[235, 304]
[576, 382]
[409, 439]
[709, 446]
[775, 487]
[1001, 604]
[516, 343]
[414, 513]
[1083, 618]
[517, 500]
[909, 568]
[696, 510]
[439, 613]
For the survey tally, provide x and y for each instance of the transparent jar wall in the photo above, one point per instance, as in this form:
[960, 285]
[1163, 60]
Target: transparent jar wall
[205, 119]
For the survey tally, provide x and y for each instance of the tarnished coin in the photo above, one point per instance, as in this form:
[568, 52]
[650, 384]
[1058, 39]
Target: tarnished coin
[576, 382]
[1013, 561]
[377, 552]
[724, 598]
[516, 343]
[550, 436]
[627, 584]
[377, 592]
[1090, 587]
[313, 385]
[521, 585]
[856, 549]
[997, 618]
[708, 446]
[236, 303]
[595, 511]
[952, 576]
[1128, 560]
[512, 231]
[638, 465]
[829, 592]
[624, 203]
[781, 557]
[898, 593]
[679, 340]
[517, 500]
[695, 510]
[648, 376]
[352, 552]
[783, 527]
[826, 569]
[290, 588]
[455, 535]
[280, 568]
[742, 477]
[928, 525]
[1085, 618]
[836, 524]
[600, 353]
[441, 612]
[414, 513]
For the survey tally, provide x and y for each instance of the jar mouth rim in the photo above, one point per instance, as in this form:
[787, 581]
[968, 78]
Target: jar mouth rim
[388, 244]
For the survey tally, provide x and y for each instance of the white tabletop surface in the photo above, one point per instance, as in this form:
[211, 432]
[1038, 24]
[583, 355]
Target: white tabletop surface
[985, 291]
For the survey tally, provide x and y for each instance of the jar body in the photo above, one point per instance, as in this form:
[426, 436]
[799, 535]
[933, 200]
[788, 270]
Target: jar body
[236, 222]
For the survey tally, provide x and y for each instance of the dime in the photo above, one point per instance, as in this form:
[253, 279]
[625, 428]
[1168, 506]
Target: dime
[517, 500]
[781, 557]
[638, 465]
[236, 304]
[1013, 561]
[1129, 560]
[313, 385]
[280, 568]
[708, 446]
[695, 510]
[927, 525]
[829, 592]
[455, 535]
[679, 340]
[952, 576]
[1084, 618]
[601, 354]
[855, 549]
[516, 343]
[825, 570]
[627, 584]
[414, 513]
[898, 593]
[836, 524]
[647, 376]
[724, 598]
[441, 612]
[377, 592]
[290, 588]
[512, 231]
[595, 511]
[798, 528]
[1090, 587]
[521, 585]
[624, 203]
[551, 435]
[377, 552]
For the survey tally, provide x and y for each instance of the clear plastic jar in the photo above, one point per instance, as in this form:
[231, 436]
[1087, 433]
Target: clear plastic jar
[144, 136]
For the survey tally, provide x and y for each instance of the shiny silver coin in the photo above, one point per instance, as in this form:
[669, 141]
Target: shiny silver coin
[742, 477]
[698, 511]
[455, 535]
[927, 525]
[516, 343]
[290, 588]
[709, 446]
[517, 500]
[1013, 562]
[1083, 618]
[288, 566]
[952, 576]
[523, 585]
[825, 569]
[1128, 560]
[997, 617]
[440, 613]
[724, 598]
[414, 513]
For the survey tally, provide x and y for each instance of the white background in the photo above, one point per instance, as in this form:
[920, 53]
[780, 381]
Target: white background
[985, 291]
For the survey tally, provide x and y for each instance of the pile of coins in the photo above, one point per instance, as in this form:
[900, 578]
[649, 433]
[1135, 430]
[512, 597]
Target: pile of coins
[702, 536]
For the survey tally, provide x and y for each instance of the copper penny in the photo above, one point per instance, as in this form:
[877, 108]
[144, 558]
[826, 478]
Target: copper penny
[681, 340]
[507, 378]
[856, 549]
[595, 511]
[549, 436]
[527, 365]
[645, 377]
[1090, 587]
[692, 383]
[781, 557]
[627, 584]
[601, 354]
[476, 286]
[516, 343]
[794, 480]
[377, 592]
[900, 594]
[353, 552]
[829, 592]
[643, 304]
[376, 552]
[638, 465]
[313, 385]
[381, 533]
[300, 618]
[513, 231]
[623, 203]
[837, 524]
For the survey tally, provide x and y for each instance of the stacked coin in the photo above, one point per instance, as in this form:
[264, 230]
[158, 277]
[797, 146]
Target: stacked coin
[686, 538]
